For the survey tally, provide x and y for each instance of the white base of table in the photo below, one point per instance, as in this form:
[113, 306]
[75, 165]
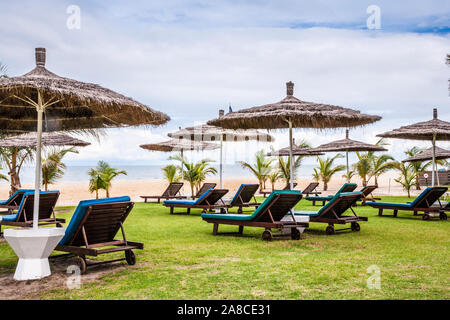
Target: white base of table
[33, 247]
[288, 217]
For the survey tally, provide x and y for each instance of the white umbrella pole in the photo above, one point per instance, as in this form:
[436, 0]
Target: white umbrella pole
[182, 171]
[37, 177]
[291, 158]
[221, 162]
[434, 161]
[348, 169]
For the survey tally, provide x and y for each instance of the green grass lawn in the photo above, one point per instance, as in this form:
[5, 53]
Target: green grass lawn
[183, 260]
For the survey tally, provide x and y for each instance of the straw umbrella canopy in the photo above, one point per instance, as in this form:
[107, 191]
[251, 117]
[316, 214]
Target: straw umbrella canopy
[67, 105]
[48, 139]
[292, 112]
[432, 130]
[348, 145]
[212, 133]
[440, 154]
[180, 145]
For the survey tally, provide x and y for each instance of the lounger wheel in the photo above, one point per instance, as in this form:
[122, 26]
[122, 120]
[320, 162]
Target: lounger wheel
[443, 216]
[81, 263]
[330, 230]
[130, 256]
[355, 226]
[426, 216]
[295, 234]
[267, 235]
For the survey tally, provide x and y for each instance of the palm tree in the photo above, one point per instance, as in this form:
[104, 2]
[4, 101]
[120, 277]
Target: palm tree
[261, 168]
[363, 167]
[380, 165]
[195, 173]
[3, 70]
[101, 177]
[107, 174]
[2, 176]
[406, 177]
[13, 158]
[53, 167]
[351, 174]
[274, 175]
[418, 167]
[325, 171]
[170, 173]
[285, 166]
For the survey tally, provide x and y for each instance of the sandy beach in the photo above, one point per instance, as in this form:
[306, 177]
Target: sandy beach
[73, 192]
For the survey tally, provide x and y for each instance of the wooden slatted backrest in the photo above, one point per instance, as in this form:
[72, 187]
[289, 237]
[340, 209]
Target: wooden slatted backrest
[368, 190]
[288, 186]
[339, 204]
[429, 196]
[101, 223]
[47, 202]
[245, 194]
[348, 187]
[311, 187]
[205, 188]
[172, 189]
[214, 196]
[279, 205]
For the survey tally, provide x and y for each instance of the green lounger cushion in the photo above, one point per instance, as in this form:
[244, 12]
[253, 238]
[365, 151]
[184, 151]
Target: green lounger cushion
[407, 205]
[329, 198]
[325, 198]
[330, 203]
[307, 213]
[248, 217]
[190, 202]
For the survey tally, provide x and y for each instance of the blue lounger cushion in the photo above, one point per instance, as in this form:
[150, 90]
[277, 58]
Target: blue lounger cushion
[15, 194]
[248, 217]
[329, 198]
[407, 205]
[80, 211]
[325, 198]
[237, 193]
[14, 216]
[190, 202]
[330, 203]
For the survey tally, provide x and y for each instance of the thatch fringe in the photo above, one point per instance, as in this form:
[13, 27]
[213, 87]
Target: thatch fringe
[48, 139]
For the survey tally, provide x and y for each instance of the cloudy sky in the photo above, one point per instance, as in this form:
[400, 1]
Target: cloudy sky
[191, 58]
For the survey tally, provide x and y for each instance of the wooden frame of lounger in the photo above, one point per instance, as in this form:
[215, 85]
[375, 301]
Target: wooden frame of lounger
[171, 192]
[426, 210]
[366, 191]
[353, 220]
[310, 189]
[205, 187]
[210, 204]
[95, 235]
[348, 188]
[47, 203]
[14, 203]
[271, 223]
[287, 187]
[247, 191]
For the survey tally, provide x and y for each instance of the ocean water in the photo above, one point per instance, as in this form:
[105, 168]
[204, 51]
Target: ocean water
[141, 172]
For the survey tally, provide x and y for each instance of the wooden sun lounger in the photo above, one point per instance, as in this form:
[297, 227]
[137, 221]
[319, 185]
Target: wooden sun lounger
[170, 193]
[366, 192]
[347, 187]
[423, 203]
[310, 189]
[268, 216]
[13, 202]
[244, 197]
[24, 215]
[287, 187]
[210, 200]
[92, 231]
[204, 188]
[332, 212]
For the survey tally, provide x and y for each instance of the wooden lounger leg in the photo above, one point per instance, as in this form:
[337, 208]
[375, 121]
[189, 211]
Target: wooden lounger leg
[415, 213]
[380, 212]
[241, 229]
[171, 210]
[215, 228]
[240, 210]
[188, 210]
[395, 212]
[314, 203]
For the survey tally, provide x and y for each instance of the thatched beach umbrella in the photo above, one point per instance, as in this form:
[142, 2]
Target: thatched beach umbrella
[66, 104]
[348, 145]
[180, 145]
[212, 133]
[292, 112]
[426, 155]
[29, 140]
[432, 130]
[48, 139]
